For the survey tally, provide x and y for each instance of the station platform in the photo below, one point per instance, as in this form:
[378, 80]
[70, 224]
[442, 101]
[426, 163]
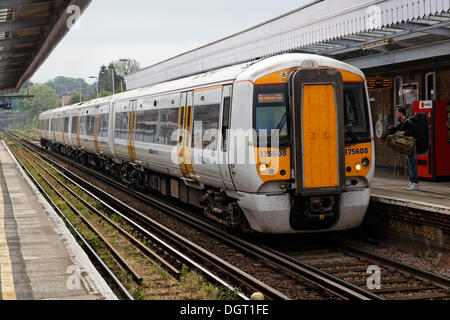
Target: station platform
[39, 257]
[417, 221]
[388, 187]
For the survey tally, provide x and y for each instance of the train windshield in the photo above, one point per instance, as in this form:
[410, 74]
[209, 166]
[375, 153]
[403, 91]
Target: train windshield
[271, 115]
[356, 116]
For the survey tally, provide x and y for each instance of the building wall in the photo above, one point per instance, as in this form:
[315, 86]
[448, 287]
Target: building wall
[443, 79]
[384, 106]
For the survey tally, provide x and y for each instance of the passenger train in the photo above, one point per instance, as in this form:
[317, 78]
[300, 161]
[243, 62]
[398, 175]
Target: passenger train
[279, 145]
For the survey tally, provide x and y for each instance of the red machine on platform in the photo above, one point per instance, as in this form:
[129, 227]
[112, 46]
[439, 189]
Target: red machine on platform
[435, 164]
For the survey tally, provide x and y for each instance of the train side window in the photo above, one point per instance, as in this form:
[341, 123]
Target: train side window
[103, 125]
[66, 125]
[172, 126]
[161, 127]
[140, 126]
[74, 124]
[206, 126]
[226, 122]
[150, 122]
[83, 125]
[118, 124]
[90, 125]
[124, 126]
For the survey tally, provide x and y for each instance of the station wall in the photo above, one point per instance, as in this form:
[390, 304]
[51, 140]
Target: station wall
[384, 101]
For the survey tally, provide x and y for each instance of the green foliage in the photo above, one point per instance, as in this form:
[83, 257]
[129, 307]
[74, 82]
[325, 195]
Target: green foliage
[65, 84]
[105, 79]
[75, 98]
[103, 93]
[45, 98]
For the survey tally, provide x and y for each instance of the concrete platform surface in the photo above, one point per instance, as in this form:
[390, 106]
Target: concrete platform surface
[431, 196]
[39, 257]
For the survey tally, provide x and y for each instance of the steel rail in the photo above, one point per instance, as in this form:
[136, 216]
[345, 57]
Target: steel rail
[138, 244]
[91, 250]
[438, 280]
[204, 255]
[121, 260]
[315, 276]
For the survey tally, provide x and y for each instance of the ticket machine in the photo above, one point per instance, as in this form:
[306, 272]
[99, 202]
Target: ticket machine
[435, 163]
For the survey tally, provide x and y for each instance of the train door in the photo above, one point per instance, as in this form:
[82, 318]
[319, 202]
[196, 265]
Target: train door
[132, 130]
[318, 126]
[185, 135]
[225, 167]
[205, 136]
[96, 127]
[112, 128]
[78, 129]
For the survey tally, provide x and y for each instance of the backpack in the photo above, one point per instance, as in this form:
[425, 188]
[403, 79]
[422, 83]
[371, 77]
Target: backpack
[420, 132]
[401, 144]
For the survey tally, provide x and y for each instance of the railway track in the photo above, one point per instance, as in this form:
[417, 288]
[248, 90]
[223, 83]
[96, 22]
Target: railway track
[396, 280]
[42, 169]
[342, 271]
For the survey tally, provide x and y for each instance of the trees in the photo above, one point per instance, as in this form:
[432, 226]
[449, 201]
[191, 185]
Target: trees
[120, 68]
[75, 98]
[105, 79]
[44, 98]
[66, 84]
[126, 66]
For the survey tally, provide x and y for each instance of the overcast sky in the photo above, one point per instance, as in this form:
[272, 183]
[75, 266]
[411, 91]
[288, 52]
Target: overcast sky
[151, 31]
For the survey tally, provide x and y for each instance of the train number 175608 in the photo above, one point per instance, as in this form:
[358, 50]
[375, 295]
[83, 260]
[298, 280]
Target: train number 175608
[350, 152]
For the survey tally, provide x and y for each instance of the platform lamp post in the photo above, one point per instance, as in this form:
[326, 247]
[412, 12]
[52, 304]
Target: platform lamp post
[80, 91]
[121, 82]
[96, 80]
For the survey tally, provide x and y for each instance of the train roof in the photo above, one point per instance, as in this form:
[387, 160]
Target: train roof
[245, 71]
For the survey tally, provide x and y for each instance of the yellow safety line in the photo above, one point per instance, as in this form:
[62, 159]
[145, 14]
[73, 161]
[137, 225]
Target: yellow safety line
[423, 194]
[6, 275]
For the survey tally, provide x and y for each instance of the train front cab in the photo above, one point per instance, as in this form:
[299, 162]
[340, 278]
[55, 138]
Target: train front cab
[324, 158]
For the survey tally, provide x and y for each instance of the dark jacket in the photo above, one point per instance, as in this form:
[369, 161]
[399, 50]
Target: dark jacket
[406, 126]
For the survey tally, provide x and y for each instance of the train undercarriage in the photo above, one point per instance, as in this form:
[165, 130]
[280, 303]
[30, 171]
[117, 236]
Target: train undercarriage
[216, 205]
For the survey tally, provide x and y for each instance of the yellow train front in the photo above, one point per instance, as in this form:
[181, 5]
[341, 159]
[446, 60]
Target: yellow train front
[313, 145]
[279, 145]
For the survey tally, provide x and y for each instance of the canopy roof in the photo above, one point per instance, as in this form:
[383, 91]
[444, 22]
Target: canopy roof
[362, 33]
[29, 31]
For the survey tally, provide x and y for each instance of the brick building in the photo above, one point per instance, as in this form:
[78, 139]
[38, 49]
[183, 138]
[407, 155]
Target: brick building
[430, 76]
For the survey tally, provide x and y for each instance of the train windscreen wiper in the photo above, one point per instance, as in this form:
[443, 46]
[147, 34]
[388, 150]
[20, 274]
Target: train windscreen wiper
[350, 131]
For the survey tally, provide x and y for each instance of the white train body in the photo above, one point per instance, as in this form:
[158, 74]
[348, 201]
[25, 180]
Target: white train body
[145, 137]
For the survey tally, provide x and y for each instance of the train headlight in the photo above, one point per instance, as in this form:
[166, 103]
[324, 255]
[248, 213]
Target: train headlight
[358, 167]
[365, 162]
[263, 167]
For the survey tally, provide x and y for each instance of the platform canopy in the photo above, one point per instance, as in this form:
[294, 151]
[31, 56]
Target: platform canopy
[29, 31]
[364, 33]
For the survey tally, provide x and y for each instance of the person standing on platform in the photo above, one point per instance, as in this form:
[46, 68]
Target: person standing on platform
[407, 129]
